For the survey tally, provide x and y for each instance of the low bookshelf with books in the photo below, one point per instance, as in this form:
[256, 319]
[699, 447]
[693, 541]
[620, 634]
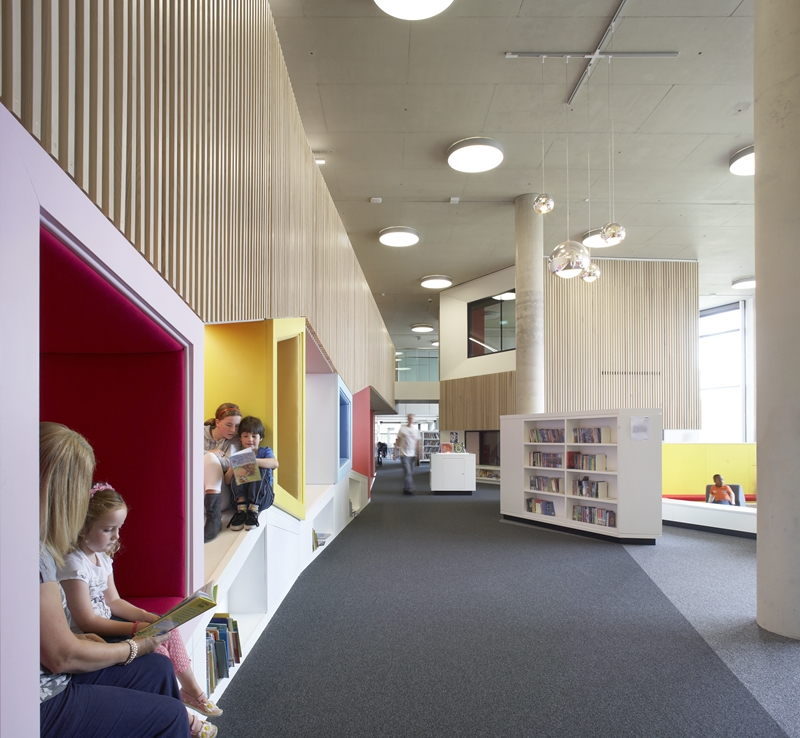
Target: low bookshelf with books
[487, 474]
[430, 445]
[595, 472]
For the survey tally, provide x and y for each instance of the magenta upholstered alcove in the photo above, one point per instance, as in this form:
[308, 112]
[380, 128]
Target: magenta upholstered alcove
[111, 373]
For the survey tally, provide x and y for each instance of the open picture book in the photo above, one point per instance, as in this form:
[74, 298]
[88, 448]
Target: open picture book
[195, 604]
[244, 466]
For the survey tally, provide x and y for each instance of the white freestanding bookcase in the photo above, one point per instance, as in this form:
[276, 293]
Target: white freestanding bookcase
[453, 473]
[615, 453]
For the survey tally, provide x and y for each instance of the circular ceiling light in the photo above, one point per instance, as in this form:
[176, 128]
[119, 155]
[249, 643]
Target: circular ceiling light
[744, 283]
[434, 343]
[398, 236]
[398, 353]
[743, 162]
[569, 259]
[593, 239]
[421, 328]
[591, 274]
[436, 282]
[475, 154]
[506, 296]
[543, 204]
[413, 9]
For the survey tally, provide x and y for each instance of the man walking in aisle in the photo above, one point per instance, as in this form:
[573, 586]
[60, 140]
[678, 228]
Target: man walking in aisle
[407, 445]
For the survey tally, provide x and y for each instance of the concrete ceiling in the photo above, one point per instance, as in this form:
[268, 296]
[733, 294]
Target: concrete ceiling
[386, 98]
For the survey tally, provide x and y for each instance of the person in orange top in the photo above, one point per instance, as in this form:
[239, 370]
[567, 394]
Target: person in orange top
[721, 493]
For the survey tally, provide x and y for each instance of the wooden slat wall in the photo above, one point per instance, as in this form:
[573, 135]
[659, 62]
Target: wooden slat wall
[179, 122]
[476, 403]
[628, 340]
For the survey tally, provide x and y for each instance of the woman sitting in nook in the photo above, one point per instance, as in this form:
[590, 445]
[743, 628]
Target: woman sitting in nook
[219, 439]
[87, 578]
[88, 687]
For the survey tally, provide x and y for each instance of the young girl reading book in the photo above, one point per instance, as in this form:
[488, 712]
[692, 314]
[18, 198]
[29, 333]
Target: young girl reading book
[87, 579]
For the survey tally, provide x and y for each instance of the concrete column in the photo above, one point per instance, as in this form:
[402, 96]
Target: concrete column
[777, 229]
[529, 235]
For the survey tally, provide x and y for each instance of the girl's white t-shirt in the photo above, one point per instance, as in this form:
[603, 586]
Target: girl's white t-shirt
[78, 566]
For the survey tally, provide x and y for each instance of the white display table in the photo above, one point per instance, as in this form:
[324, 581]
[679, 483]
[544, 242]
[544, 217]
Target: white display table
[453, 474]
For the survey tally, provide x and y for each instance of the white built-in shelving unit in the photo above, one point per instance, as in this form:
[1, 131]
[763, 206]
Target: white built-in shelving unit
[487, 474]
[430, 444]
[617, 453]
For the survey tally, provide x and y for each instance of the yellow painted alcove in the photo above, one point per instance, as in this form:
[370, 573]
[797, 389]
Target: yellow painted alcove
[260, 366]
[688, 467]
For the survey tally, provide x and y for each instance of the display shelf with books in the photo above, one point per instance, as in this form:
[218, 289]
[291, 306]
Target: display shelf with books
[430, 444]
[597, 472]
[487, 474]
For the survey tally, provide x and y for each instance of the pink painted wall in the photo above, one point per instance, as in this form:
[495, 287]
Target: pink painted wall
[363, 434]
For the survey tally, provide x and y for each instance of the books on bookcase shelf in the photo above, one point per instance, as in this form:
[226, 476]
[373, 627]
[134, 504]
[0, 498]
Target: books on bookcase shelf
[591, 435]
[546, 459]
[546, 435]
[223, 649]
[614, 494]
[586, 487]
[430, 445]
[541, 507]
[586, 462]
[545, 484]
[594, 515]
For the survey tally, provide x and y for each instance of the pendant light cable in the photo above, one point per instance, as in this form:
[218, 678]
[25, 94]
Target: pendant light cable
[541, 109]
[566, 113]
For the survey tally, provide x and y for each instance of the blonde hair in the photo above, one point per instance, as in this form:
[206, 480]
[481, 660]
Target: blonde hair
[66, 466]
[103, 499]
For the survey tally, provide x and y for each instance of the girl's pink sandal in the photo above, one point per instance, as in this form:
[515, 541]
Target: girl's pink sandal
[202, 704]
[200, 729]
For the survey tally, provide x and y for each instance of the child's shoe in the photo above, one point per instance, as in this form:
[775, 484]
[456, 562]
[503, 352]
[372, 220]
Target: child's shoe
[202, 704]
[251, 519]
[238, 521]
[200, 728]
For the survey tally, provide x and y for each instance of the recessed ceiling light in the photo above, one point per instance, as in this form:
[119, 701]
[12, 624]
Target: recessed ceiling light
[594, 239]
[475, 154]
[506, 296]
[319, 160]
[743, 162]
[403, 368]
[398, 236]
[398, 353]
[434, 343]
[413, 9]
[421, 328]
[744, 283]
[436, 282]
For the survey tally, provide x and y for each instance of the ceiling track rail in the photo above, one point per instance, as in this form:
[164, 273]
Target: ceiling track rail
[593, 56]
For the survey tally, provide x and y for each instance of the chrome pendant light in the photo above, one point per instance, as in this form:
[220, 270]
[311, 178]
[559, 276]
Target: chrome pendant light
[612, 232]
[543, 203]
[569, 258]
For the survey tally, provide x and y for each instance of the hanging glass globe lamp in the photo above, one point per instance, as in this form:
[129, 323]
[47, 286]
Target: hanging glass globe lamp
[569, 259]
[591, 274]
[543, 204]
[612, 233]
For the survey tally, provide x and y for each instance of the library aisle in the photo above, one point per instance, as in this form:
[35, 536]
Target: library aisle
[427, 616]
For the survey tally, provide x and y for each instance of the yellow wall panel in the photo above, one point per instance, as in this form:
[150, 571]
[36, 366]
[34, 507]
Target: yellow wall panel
[688, 467]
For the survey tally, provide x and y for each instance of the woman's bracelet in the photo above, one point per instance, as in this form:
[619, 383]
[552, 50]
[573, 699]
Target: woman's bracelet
[135, 627]
[134, 646]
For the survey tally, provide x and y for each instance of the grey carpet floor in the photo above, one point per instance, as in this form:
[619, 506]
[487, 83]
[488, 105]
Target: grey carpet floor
[427, 616]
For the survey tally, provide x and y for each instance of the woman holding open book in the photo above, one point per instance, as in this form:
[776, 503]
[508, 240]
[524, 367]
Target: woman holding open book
[219, 441]
[87, 686]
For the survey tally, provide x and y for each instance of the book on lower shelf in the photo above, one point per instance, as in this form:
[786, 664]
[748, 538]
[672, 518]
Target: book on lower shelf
[541, 507]
[223, 649]
[594, 515]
